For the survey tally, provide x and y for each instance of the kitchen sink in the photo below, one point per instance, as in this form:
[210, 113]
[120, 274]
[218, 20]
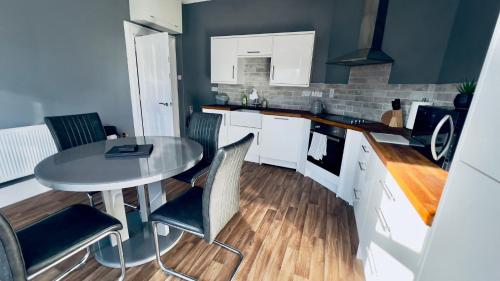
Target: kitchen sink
[246, 118]
[249, 110]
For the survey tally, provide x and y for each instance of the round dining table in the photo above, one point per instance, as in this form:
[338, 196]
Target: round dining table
[86, 169]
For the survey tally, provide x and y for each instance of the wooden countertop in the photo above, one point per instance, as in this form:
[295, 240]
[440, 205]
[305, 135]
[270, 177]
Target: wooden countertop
[421, 180]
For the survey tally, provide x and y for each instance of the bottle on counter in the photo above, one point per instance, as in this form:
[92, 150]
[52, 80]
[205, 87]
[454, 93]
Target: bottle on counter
[244, 100]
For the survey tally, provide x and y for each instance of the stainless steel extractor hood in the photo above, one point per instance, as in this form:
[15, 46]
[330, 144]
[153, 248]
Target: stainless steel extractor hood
[370, 37]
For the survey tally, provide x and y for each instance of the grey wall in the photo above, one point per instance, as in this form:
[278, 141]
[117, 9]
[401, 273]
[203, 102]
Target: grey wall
[63, 57]
[469, 39]
[231, 17]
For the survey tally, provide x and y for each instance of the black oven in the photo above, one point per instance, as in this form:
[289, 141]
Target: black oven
[436, 132]
[335, 136]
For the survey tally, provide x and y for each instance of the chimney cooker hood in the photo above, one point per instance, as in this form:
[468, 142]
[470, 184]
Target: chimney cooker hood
[370, 37]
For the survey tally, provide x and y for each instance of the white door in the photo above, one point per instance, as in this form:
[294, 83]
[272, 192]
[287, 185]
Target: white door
[224, 60]
[292, 59]
[155, 87]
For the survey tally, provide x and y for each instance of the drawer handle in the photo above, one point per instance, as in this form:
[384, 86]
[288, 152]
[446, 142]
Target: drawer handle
[387, 191]
[362, 166]
[365, 149]
[383, 221]
[356, 194]
[371, 262]
[253, 52]
[280, 118]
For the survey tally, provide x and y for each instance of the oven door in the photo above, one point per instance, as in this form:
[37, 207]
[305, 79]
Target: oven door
[332, 161]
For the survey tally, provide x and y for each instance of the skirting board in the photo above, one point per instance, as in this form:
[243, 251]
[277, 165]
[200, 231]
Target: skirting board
[21, 190]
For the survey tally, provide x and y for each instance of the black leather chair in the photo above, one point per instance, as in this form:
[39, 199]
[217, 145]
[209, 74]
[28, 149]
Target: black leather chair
[204, 129]
[205, 211]
[32, 250]
[74, 130]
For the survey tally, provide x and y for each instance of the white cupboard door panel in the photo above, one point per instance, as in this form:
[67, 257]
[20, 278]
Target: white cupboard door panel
[292, 59]
[155, 88]
[165, 15]
[224, 60]
[481, 135]
[281, 138]
[236, 133]
[255, 46]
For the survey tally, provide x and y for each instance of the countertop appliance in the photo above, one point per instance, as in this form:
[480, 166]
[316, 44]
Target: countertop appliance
[436, 133]
[335, 136]
[345, 119]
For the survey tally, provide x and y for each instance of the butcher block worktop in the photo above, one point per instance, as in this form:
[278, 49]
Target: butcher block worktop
[421, 180]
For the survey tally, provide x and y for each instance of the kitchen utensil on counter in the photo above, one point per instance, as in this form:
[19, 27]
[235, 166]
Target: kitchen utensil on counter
[316, 107]
[221, 98]
[413, 112]
[394, 117]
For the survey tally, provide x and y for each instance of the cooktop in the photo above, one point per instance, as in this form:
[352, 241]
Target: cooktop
[345, 119]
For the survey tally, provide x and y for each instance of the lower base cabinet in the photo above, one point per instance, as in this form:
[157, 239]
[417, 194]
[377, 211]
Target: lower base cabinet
[235, 133]
[391, 233]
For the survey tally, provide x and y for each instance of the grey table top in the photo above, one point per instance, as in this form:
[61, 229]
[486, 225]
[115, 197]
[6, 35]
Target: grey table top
[84, 168]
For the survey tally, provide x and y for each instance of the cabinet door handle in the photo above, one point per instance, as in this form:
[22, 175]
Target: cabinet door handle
[280, 118]
[387, 191]
[164, 103]
[362, 166]
[383, 221]
[273, 74]
[258, 137]
[364, 148]
[233, 71]
[253, 52]
[356, 194]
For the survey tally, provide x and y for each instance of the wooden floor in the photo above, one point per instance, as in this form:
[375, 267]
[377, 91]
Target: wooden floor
[289, 228]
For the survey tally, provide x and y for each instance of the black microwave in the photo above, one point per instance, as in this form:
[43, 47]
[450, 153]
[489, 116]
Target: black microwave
[436, 133]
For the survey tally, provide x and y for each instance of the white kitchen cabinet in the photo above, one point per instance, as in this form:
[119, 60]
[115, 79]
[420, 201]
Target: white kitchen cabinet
[281, 140]
[292, 59]
[255, 46]
[224, 61]
[165, 15]
[391, 233]
[236, 133]
[224, 127]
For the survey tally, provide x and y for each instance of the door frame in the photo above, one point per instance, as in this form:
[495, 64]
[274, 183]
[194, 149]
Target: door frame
[133, 30]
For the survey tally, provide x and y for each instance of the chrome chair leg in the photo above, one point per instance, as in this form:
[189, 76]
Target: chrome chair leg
[120, 254]
[75, 267]
[182, 275]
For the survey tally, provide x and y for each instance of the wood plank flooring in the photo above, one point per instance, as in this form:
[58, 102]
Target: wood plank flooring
[289, 228]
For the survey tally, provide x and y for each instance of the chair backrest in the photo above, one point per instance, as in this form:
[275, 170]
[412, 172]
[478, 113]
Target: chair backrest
[221, 195]
[204, 129]
[73, 130]
[11, 259]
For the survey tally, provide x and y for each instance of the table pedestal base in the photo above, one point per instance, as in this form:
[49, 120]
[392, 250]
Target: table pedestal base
[139, 248]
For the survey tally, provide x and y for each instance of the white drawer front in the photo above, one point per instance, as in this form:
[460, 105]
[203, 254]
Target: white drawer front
[246, 119]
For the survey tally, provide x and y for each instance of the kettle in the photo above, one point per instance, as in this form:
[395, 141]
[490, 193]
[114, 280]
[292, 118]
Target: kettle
[316, 107]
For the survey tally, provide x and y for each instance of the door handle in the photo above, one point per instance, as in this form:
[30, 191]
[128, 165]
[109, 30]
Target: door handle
[164, 103]
[273, 73]
[364, 148]
[258, 137]
[383, 221]
[434, 137]
[280, 118]
[387, 191]
[356, 194]
[253, 52]
[233, 71]
[362, 166]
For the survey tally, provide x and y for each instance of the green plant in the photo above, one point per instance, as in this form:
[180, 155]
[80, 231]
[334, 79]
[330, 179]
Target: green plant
[467, 87]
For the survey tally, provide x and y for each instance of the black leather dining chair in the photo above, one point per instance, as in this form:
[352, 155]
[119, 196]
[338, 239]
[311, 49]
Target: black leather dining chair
[34, 249]
[205, 211]
[204, 129]
[74, 130]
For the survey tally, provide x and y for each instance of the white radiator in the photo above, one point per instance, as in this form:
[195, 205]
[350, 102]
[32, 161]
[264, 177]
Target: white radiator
[22, 148]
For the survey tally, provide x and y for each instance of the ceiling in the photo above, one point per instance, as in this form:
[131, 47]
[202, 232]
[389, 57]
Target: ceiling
[192, 1]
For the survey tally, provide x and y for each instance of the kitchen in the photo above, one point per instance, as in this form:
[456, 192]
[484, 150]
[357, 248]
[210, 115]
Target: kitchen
[339, 140]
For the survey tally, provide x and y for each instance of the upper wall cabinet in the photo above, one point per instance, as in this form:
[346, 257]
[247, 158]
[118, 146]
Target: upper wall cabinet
[292, 59]
[165, 15]
[255, 46]
[291, 56]
[224, 60]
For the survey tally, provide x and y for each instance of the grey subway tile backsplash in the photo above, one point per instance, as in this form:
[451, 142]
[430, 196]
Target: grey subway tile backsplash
[367, 95]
